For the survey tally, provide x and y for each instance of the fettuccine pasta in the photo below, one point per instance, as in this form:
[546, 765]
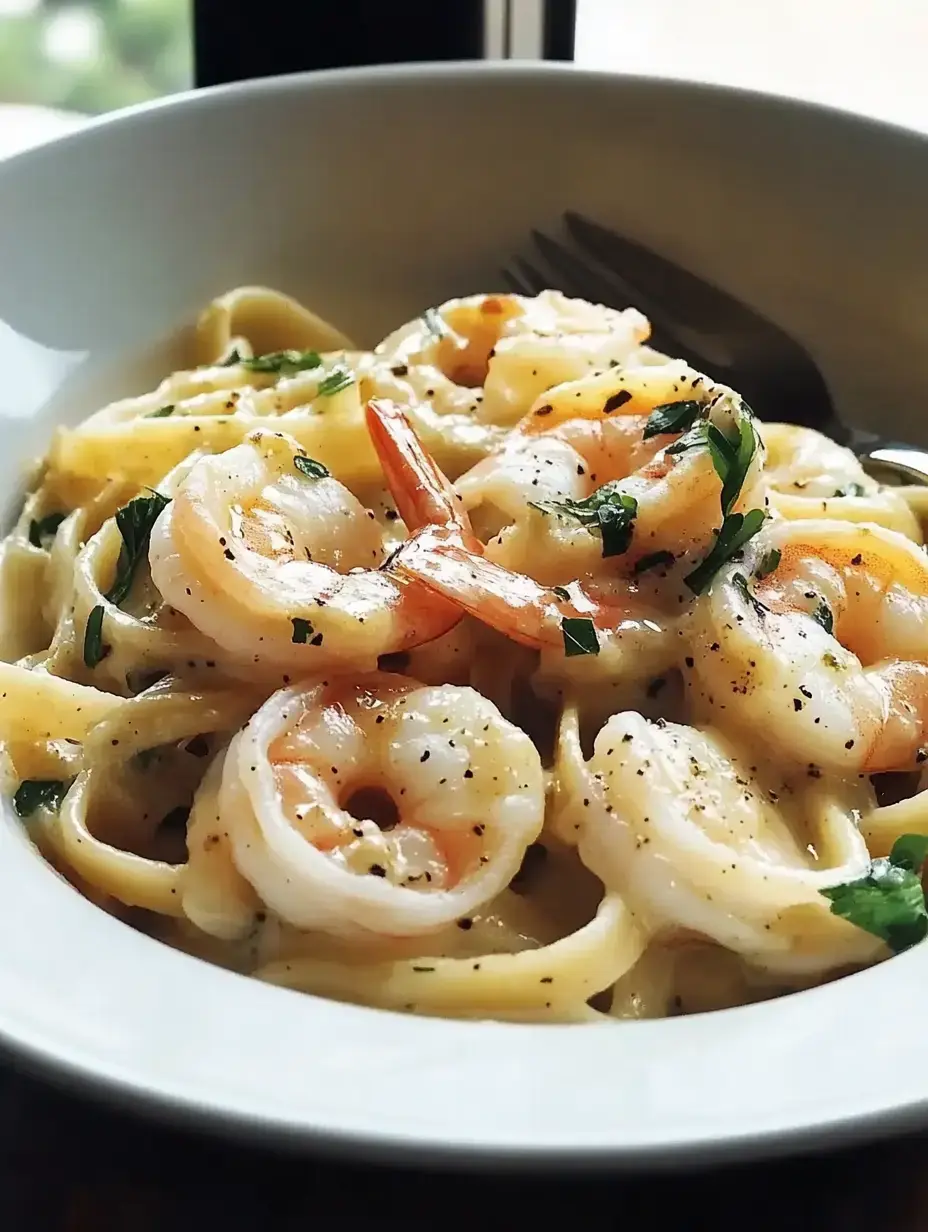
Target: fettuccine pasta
[510, 670]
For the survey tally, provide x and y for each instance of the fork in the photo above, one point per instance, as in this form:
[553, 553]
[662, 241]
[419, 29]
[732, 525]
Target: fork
[710, 329]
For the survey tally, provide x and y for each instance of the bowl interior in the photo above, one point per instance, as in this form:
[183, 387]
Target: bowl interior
[370, 195]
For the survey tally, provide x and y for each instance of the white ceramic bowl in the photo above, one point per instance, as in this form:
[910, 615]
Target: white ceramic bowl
[370, 195]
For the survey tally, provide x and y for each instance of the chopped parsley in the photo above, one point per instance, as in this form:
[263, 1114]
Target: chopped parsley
[135, 522]
[888, 901]
[852, 489]
[337, 380]
[94, 650]
[162, 412]
[654, 560]
[822, 615]
[310, 467]
[731, 457]
[768, 563]
[433, 323]
[607, 512]
[672, 417]
[579, 636]
[741, 584]
[302, 630]
[283, 363]
[45, 528]
[694, 439]
[38, 793]
[736, 530]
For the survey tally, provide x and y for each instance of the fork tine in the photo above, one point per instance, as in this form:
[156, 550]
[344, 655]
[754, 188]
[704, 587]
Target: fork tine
[658, 279]
[516, 282]
[579, 276]
[531, 277]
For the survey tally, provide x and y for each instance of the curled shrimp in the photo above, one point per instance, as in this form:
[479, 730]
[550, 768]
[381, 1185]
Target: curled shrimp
[694, 838]
[279, 564]
[379, 804]
[491, 355]
[601, 626]
[824, 656]
[589, 437]
[811, 476]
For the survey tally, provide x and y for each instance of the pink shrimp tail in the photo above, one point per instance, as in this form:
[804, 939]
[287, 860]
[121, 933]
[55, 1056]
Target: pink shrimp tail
[423, 495]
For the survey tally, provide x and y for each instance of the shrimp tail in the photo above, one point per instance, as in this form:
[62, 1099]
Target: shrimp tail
[423, 494]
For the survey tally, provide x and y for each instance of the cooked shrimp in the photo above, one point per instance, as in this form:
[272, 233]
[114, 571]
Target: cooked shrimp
[823, 657]
[278, 563]
[380, 804]
[615, 621]
[695, 838]
[494, 354]
[588, 437]
[810, 476]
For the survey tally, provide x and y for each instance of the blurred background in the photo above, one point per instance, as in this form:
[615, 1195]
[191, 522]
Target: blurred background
[90, 56]
[62, 60]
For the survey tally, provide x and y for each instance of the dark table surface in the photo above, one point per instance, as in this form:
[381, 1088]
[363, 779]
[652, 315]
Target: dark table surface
[72, 1165]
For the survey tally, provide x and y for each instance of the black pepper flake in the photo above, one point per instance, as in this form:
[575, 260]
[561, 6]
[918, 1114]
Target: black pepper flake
[921, 755]
[479, 830]
[399, 369]
[690, 661]
[377, 870]
[797, 703]
[616, 400]
[627, 738]
[546, 979]
[857, 560]
[468, 774]
[229, 554]
[849, 744]
[420, 969]
[544, 410]
[466, 924]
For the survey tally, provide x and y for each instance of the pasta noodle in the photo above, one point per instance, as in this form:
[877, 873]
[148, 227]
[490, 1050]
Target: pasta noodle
[509, 670]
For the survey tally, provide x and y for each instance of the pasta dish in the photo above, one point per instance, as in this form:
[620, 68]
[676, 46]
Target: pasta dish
[510, 670]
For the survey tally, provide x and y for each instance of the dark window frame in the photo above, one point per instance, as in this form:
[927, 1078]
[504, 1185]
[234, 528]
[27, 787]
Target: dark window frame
[234, 40]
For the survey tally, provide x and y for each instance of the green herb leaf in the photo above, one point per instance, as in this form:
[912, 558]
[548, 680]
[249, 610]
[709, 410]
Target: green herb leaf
[731, 457]
[654, 560]
[283, 363]
[561, 592]
[45, 528]
[36, 793]
[852, 489]
[909, 851]
[135, 521]
[606, 512]
[735, 532]
[162, 412]
[579, 636]
[694, 439]
[310, 467]
[433, 323]
[234, 357]
[672, 417]
[768, 563]
[94, 651]
[741, 584]
[822, 615]
[889, 901]
[302, 630]
[337, 380]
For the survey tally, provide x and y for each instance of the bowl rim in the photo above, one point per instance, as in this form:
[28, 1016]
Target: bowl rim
[674, 1068]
